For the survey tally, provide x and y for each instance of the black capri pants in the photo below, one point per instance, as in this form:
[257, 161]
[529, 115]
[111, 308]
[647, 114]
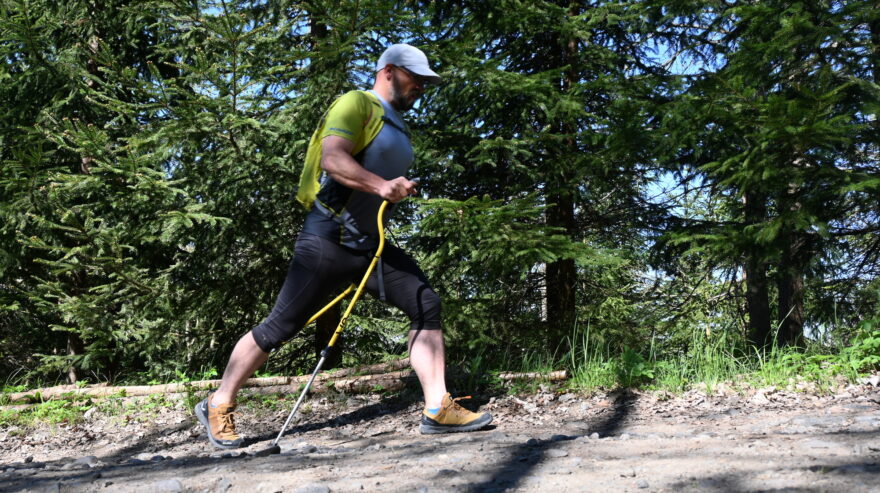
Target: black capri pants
[321, 267]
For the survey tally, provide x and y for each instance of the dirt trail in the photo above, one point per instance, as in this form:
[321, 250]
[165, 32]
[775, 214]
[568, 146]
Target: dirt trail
[754, 440]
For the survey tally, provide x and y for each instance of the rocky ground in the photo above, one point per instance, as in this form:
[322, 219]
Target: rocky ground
[723, 440]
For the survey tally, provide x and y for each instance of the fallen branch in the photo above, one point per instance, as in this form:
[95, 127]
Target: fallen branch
[366, 383]
[341, 381]
[103, 390]
[552, 376]
[371, 369]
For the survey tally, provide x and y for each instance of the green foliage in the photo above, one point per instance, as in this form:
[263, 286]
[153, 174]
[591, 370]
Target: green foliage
[585, 177]
[633, 369]
[863, 353]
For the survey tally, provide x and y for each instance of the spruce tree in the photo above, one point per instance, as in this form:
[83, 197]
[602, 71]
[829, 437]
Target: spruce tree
[780, 128]
[91, 222]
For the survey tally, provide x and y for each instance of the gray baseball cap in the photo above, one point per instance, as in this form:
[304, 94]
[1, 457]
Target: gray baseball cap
[410, 58]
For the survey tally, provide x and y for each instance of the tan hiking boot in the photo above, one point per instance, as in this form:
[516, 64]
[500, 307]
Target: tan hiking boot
[219, 423]
[452, 417]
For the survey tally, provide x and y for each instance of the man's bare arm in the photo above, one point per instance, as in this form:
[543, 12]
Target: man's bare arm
[336, 160]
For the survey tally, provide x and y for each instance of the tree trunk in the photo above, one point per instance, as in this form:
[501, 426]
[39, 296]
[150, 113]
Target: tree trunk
[326, 325]
[790, 285]
[75, 347]
[561, 275]
[757, 292]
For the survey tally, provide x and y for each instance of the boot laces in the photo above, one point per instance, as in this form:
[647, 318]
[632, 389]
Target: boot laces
[458, 406]
[227, 424]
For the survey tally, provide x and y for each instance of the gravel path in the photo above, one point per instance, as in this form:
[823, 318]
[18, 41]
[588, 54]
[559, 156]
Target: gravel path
[724, 441]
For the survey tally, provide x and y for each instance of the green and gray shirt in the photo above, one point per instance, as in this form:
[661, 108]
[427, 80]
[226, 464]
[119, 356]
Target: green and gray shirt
[342, 214]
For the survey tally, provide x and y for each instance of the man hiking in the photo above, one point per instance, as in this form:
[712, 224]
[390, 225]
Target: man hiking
[362, 145]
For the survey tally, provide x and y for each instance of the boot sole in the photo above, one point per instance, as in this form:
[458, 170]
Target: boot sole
[202, 415]
[426, 429]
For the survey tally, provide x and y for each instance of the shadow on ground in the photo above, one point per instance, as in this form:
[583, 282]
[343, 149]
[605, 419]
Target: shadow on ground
[524, 458]
[867, 473]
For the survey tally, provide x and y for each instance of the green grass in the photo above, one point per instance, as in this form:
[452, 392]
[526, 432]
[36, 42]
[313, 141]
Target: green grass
[70, 409]
[704, 360]
[715, 358]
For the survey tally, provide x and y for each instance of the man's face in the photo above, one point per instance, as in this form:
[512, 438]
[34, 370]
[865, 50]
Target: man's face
[406, 88]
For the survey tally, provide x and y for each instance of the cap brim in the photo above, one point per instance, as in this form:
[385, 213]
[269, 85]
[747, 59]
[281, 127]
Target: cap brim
[426, 73]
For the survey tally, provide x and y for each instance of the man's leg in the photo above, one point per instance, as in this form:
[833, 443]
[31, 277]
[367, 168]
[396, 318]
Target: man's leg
[246, 358]
[215, 412]
[427, 357]
[407, 288]
[313, 272]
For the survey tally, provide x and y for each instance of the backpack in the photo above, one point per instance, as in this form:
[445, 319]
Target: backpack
[370, 108]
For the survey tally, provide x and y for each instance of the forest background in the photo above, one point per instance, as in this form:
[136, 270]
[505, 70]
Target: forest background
[642, 192]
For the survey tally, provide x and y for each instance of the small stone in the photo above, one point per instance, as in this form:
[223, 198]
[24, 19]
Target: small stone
[860, 449]
[29, 459]
[223, 485]
[267, 488]
[567, 397]
[497, 436]
[90, 413]
[594, 436]
[89, 460]
[312, 488]
[625, 436]
[631, 473]
[759, 399]
[556, 453]
[81, 463]
[642, 484]
[447, 473]
[167, 486]
[532, 442]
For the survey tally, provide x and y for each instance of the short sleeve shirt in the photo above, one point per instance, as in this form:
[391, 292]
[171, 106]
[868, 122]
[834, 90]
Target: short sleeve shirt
[389, 155]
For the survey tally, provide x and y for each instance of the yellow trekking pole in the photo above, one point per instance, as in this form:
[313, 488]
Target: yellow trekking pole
[274, 449]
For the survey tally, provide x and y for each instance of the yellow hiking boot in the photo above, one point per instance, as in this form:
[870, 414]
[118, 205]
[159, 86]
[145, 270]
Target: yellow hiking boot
[219, 423]
[452, 418]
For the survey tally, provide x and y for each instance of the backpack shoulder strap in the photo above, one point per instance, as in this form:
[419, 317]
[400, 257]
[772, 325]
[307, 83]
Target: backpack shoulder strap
[373, 118]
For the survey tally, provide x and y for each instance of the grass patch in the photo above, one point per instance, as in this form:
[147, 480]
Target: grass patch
[704, 360]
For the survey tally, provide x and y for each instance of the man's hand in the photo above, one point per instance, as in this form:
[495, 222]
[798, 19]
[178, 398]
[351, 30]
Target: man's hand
[397, 189]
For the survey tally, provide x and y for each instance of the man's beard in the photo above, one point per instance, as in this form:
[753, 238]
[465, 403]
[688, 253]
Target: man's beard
[398, 98]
